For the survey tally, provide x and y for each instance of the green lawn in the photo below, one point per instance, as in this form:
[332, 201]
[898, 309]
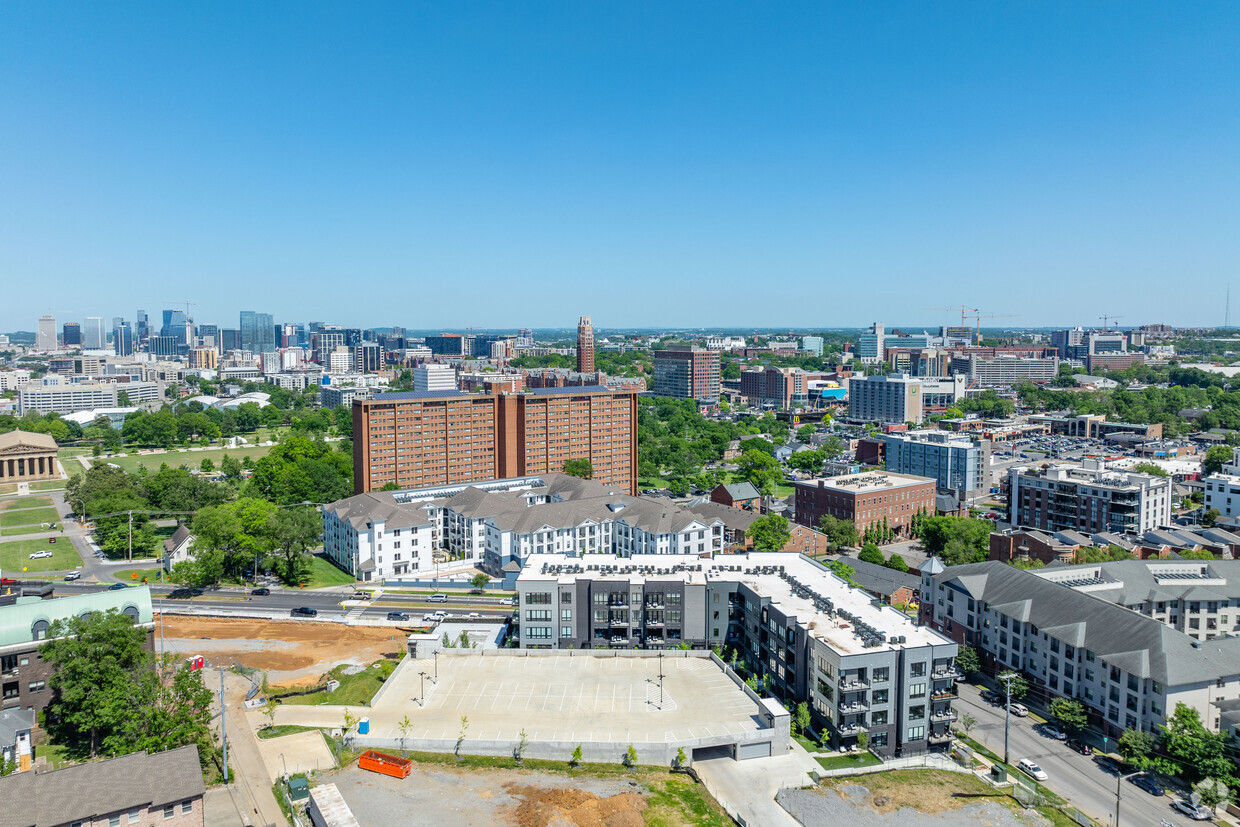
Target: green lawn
[19, 503]
[354, 690]
[323, 574]
[281, 730]
[651, 482]
[28, 516]
[126, 575]
[45, 485]
[22, 529]
[839, 762]
[177, 458]
[15, 556]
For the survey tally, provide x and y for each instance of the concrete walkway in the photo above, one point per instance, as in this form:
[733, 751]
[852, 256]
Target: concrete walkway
[747, 789]
[252, 786]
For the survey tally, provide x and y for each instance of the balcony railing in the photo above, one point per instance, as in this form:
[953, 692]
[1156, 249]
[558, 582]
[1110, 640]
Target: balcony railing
[850, 729]
[848, 684]
[939, 737]
[855, 706]
[946, 672]
[945, 715]
[943, 696]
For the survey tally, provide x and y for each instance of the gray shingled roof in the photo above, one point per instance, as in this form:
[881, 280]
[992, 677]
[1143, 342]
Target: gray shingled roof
[13, 721]
[178, 537]
[379, 505]
[880, 579]
[94, 790]
[742, 491]
[1135, 643]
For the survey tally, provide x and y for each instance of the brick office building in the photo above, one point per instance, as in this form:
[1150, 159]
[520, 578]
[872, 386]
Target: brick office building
[867, 499]
[418, 440]
[687, 373]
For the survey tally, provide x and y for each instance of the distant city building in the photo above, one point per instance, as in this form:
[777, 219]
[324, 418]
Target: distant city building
[1222, 490]
[333, 396]
[162, 345]
[872, 498]
[812, 345]
[449, 344]
[1004, 371]
[687, 373]
[956, 463]
[143, 327]
[230, 339]
[324, 344]
[725, 343]
[122, 338]
[71, 334]
[1089, 498]
[433, 377]
[898, 398]
[69, 398]
[45, 336]
[367, 357]
[92, 333]
[258, 333]
[585, 345]
[870, 345]
[780, 387]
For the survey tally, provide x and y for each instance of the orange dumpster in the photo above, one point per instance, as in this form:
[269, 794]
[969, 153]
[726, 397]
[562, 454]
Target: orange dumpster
[381, 762]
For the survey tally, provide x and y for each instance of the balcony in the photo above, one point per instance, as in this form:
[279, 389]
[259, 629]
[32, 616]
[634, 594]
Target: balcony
[854, 707]
[940, 737]
[615, 621]
[945, 715]
[619, 639]
[943, 673]
[944, 695]
[850, 684]
[851, 729]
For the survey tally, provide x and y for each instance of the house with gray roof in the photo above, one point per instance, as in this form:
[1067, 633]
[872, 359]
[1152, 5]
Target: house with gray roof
[15, 743]
[163, 788]
[887, 584]
[1058, 628]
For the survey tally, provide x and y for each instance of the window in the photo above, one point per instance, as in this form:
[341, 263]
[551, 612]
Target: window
[917, 670]
[566, 631]
[880, 696]
[37, 686]
[170, 810]
[879, 719]
[916, 690]
[537, 614]
[566, 597]
[187, 807]
[134, 815]
[538, 632]
[881, 674]
[114, 821]
[566, 615]
[917, 713]
[916, 733]
[538, 598]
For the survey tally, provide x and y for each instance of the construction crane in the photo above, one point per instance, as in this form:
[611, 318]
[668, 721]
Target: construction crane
[187, 306]
[1106, 316]
[981, 316]
[962, 309]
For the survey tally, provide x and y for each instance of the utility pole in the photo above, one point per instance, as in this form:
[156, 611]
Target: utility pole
[131, 536]
[1007, 679]
[223, 726]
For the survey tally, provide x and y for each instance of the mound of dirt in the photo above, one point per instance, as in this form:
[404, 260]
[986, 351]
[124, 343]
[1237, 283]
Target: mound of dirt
[542, 807]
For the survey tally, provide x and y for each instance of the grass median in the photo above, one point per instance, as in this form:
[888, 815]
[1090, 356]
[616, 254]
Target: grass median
[15, 556]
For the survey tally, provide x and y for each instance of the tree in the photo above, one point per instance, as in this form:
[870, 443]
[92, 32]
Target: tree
[1215, 459]
[575, 761]
[760, 469]
[1148, 468]
[896, 562]
[808, 461]
[460, 737]
[231, 467]
[839, 532]
[294, 532]
[269, 711]
[1210, 517]
[108, 698]
[207, 466]
[681, 759]
[1015, 688]
[967, 722]
[769, 532]
[801, 718]
[404, 725]
[630, 757]
[804, 433]
[522, 745]
[1069, 712]
[390, 486]
[967, 660]
[479, 581]
[1138, 746]
[1192, 751]
[870, 553]
[579, 467]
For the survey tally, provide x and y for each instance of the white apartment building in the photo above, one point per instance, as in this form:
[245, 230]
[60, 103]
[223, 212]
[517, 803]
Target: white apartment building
[69, 398]
[12, 380]
[1222, 490]
[373, 537]
[1089, 498]
[434, 378]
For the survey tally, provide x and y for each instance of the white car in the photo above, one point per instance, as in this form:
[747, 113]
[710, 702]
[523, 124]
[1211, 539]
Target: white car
[1052, 732]
[1019, 710]
[1194, 811]
[474, 616]
[1032, 770]
[39, 555]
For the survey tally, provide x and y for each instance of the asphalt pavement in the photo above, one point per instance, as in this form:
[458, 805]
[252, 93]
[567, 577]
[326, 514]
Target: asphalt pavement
[1078, 778]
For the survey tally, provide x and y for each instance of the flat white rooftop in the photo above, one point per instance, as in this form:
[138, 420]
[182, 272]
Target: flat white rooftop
[865, 482]
[796, 584]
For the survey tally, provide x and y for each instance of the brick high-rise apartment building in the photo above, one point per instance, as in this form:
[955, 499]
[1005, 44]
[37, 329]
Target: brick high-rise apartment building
[422, 439]
[585, 345]
[687, 373]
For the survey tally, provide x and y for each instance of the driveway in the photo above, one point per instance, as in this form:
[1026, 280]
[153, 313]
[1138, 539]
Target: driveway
[748, 788]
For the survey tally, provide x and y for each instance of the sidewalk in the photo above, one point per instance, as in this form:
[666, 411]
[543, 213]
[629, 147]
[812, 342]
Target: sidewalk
[252, 785]
[747, 789]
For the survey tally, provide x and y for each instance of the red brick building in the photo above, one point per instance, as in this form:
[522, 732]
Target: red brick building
[868, 498]
[422, 439]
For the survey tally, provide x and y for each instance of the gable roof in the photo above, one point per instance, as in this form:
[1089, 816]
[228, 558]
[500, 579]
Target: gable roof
[178, 538]
[880, 579]
[89, 791]
[741, 491]
[27, 439]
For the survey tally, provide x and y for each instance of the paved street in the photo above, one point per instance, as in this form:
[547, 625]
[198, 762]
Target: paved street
[1075, 777]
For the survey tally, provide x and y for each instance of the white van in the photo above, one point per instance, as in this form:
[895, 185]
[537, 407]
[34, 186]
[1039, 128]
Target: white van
[439, 598]
[1031, 769]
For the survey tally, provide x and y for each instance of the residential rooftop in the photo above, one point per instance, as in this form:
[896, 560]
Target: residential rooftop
[865, 482]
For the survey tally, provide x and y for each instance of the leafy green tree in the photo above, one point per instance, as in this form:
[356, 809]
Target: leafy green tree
[294, 533]
[479, 581]
[967, 660]
[804, 433]
[801, 718]
[1069, 712]
[807, 461]
[1190, 750]
[575, 761]
[1148, 468]
[760, 469]
[870, 553]
[390, 486]
[231, 467]
[1138, 747]
[1016, 688]
[896, 562]
[108, 698]
[839, 532]
[579, 467]
[1210, 517]
[1215, 459]
[770, 532]
[207, 466]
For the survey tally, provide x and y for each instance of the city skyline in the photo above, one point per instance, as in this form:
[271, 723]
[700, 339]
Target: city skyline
[617, 158]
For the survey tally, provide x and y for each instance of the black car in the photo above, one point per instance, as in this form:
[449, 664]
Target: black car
[304, 611]
[1080, 747]
[1106, 764]
[263, 592]
[398, 616]
[991, 697]
[184, 594]
[1148, 784]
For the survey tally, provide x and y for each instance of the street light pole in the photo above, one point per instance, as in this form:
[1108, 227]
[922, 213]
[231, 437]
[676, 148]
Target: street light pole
[422, 700]
[1118, 779]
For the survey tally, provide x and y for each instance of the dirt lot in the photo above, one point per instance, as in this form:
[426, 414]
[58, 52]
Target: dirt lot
[521, 798]
[290, 653]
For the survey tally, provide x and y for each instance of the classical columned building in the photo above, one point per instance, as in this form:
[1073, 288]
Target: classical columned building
[27, 457]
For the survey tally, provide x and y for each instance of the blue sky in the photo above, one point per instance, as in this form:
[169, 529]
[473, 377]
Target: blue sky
[704, 164]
